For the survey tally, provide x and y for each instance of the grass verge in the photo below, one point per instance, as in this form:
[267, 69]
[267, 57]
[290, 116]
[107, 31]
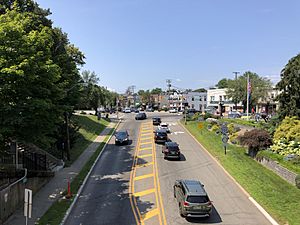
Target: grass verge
[275, 195]
[56, 212]
[89, 129]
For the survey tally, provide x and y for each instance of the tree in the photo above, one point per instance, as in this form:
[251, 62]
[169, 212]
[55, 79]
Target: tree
[255, 140]
[289, 85]
[38, 74]
[237, 89]
[200, 90]
[156, 91]
[145, 96]
[223, 83]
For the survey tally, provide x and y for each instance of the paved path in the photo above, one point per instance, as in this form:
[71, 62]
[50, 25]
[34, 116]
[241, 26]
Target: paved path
[47, 195]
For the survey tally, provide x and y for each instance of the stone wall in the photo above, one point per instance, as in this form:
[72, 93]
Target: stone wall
[11, 198]
[286, 174]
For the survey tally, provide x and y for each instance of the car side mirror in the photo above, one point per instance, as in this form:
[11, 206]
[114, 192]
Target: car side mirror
[202, 185]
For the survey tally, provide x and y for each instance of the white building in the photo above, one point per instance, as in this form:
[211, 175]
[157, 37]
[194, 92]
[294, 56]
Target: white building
[197, 100]
[218, 97]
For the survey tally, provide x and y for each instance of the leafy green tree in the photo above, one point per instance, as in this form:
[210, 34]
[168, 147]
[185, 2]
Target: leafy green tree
[200, 90]
[289, 85]
[237, 89]
[223, 83]
[38, 74]
[156, 91]
[145, 96]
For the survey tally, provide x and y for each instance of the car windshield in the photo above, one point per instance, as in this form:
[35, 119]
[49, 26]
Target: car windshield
[121, 134]
[164, 125]
[197, 199]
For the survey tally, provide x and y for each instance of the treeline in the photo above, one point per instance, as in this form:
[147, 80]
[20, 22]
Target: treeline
[39, 76]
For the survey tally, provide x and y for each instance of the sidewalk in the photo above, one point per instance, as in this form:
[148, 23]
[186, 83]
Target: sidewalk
[48, 194]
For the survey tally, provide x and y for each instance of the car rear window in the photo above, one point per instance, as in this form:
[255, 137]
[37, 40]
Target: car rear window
[173, 148]
[197, 199]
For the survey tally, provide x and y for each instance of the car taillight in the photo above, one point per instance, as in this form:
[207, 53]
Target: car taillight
[186, 204]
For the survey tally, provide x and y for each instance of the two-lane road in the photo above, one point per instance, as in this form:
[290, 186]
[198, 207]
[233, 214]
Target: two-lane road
[134, 183]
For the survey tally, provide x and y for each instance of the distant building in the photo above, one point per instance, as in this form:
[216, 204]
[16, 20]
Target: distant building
[269, 104]
[218, 97]
[197, 100]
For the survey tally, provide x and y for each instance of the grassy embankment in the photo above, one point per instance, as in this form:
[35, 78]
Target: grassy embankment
[278, 197]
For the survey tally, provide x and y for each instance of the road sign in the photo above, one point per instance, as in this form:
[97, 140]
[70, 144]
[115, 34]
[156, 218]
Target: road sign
[27, 204]
[225, 138]
[200, 125]
[224, 129]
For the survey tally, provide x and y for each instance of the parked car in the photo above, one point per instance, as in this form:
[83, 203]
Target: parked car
[171, 150]
[173, 110]
[160, 136]
[127, 110]
[141, 116]
[149, 110]
[164, 126]
[192, 198]
[121, 137]
[234, 115]
[156, 120]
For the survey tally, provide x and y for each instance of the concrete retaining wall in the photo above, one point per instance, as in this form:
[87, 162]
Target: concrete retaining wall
[278, 169]
[12, 198]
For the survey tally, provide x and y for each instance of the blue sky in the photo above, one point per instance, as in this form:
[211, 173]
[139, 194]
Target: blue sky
[195, 43]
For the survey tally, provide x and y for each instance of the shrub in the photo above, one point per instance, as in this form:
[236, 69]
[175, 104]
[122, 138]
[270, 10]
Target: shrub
[287, 137]
[255, 140]
[215, 128]
[297, 181]
[233, 138]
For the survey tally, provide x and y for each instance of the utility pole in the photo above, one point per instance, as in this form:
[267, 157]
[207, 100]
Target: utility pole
[169, 89]
[236, 74]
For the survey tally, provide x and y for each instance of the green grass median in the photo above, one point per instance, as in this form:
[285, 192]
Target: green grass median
[275, 195]
[56, 212]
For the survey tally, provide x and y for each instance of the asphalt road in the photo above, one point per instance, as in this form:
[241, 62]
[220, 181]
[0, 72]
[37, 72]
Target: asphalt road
[106, 197]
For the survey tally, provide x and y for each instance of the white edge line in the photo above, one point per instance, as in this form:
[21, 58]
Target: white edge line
[258, 206]
[86, 178]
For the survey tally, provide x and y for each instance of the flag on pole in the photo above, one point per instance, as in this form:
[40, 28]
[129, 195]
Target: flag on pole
[249, 89]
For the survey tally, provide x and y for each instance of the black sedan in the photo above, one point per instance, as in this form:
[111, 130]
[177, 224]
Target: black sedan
[141, 116]
[121, 137]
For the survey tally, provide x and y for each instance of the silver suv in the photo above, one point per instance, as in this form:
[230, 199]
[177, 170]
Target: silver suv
[192, 199]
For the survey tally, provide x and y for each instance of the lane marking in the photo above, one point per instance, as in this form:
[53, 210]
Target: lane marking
[156, 181]
[147, 131]
[144, 156]
[143, 193]
[145, 143]
[150, 214]
[147, 148]
[147, 138]
[146, 134]
[143, 165]
[144, 176]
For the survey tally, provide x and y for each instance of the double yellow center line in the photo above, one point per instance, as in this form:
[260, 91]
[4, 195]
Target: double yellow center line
[145, 152]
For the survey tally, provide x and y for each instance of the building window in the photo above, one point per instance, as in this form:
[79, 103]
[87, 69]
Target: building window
[200, 107]
[272, 95]
[220, 97]
[192, 98]
[205, 99]
[212, 98]
[200, 98]
[193, 106]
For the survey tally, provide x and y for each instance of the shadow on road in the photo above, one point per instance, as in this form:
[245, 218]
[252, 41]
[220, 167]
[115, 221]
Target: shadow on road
[214, 218]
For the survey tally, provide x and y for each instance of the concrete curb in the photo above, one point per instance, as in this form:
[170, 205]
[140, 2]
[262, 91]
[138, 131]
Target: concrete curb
[258, 206]
[87, 176]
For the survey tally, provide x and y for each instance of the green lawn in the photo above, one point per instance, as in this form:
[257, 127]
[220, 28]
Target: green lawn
[89, 129]
[56, 212]
[278, 197]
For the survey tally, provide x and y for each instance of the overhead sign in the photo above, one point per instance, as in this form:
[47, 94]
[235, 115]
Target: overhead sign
[28, 203]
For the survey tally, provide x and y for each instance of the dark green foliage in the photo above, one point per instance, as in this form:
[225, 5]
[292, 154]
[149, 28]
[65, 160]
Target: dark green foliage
[223, 83]
[237, 89]
[289, 85]
[297, 180]
[255, 140]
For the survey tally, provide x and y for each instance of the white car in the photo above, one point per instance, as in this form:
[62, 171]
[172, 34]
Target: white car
[127, 110]
[174, 110]
[164, 126]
